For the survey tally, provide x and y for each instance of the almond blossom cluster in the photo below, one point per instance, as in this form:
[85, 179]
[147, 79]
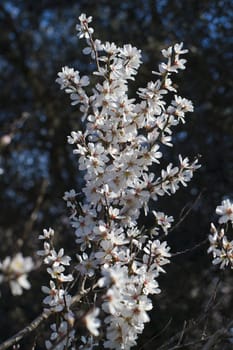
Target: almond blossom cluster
[118, 262]
[57, 299]
[221, 247]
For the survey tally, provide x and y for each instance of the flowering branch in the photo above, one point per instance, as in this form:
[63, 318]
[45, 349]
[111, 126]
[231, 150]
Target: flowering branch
[120, 144]
[220, 246]
[117, 263]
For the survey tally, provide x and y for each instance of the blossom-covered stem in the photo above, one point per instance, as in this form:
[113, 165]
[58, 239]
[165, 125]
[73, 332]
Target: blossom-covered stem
[221, 247]
[92, 45]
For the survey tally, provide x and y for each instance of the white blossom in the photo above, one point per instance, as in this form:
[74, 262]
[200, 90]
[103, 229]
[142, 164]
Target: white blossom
[225, 211]
[221, 247]
[92, 322]
[15, 271]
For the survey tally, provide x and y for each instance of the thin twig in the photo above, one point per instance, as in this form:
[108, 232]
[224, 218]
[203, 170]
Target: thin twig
[93, 46]
[220, 333]
[198, 245]
[34, 214]
[157, 334]
[191, 325]
[186, 345]
[182, 333]
[183, 217]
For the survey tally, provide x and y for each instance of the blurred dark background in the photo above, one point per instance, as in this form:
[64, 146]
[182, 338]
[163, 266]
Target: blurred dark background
[37, 166]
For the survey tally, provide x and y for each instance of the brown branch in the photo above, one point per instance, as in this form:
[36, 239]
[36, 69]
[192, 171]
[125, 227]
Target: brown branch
[36, 322]
[28, 329]
[188, 250]
[218, 335]
[19, 54]
[187, 212]
[34, 214]
[182, 333]
[191, 325]
[186, 345]
[156, 335]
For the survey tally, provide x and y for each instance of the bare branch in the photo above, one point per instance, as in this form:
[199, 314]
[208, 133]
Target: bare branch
[25, 331]
[187, 212]
[35, 323]
[157, 334]
[188, 250]
[34, 214]
[191, 324]
[218, 335]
